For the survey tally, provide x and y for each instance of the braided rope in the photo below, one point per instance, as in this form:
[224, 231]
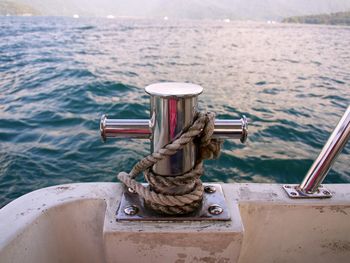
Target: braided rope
[176, 194]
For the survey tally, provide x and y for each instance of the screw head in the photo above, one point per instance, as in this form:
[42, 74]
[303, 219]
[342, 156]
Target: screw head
[326, 192]
[293, 193]
[215, 209]
[287, 186]
[131, 210]
[210, 189]
[131, 191]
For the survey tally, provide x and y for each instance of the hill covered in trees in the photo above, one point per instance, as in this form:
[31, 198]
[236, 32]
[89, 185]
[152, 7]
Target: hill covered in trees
[340, 18]
[14, 8]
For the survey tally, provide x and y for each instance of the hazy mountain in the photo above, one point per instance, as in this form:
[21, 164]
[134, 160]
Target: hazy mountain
[196, 9]
[249, 9]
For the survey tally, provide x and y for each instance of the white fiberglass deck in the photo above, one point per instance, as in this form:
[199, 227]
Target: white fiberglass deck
[76, 223]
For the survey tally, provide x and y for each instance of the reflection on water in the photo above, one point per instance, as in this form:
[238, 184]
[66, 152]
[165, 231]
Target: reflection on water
[58, 75]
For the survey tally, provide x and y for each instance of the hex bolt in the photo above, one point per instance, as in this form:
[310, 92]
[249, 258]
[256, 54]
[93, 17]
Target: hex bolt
[210, 189]
[215, 209]
[131, 191]
[131, 210]
[293, 193]
[287, 186]
[326, 192]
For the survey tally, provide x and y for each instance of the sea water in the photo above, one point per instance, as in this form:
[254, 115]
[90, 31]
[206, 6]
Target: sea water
[59, 75]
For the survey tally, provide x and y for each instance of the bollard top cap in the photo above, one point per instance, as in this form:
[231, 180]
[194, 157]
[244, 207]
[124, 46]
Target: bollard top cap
[174, 89]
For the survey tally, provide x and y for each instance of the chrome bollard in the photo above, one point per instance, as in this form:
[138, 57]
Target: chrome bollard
[173, 108]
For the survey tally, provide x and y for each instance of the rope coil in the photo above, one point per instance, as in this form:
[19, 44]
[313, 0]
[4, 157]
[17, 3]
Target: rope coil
[176, 194]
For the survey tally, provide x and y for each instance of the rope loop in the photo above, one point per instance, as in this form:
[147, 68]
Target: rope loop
[176, 194]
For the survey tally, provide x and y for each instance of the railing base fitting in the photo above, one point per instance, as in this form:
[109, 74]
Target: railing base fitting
[293, 191]
[213, 208]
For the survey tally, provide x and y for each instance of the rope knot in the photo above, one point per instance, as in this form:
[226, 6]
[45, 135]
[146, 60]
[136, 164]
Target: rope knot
[176, 194]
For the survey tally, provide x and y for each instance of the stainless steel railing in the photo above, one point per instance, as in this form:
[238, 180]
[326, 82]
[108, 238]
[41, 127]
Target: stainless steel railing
[327, 156]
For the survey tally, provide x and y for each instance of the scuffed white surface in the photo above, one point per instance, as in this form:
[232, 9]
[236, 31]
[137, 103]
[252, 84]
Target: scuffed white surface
[76, 223]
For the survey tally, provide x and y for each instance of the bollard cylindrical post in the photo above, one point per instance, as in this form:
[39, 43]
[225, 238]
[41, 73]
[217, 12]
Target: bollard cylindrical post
[173, 108]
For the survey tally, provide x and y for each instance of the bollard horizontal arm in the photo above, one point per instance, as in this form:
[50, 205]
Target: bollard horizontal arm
[126, 128]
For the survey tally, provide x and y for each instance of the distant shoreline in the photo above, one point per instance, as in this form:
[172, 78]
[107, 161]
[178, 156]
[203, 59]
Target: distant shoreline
[339, 18]
[325, 20]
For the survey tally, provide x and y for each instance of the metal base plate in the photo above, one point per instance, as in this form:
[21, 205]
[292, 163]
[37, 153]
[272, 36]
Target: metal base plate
[293, 192]
[142, 213]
